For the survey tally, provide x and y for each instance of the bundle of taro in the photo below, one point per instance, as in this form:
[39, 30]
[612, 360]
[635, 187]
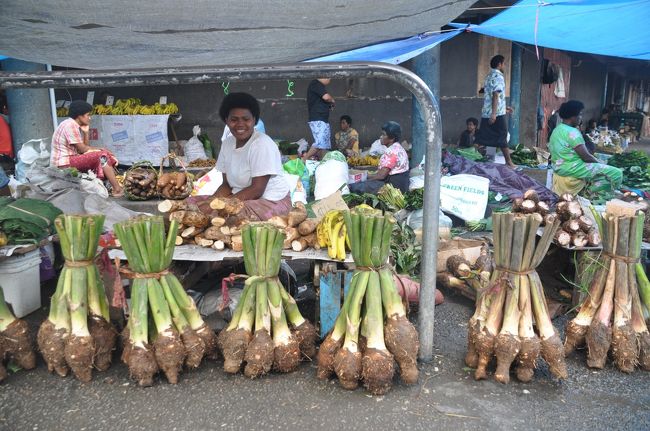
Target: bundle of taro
[470, 280]
[611, 318]
[77, 334]
[502, 325]
[577, 230]
[531, 204]
[259, 335]
[165, 330]
[371, 331]
[15, 340]
[140, 182]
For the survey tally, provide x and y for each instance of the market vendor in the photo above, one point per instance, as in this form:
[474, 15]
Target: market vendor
[393, 164]
[71, 148]
[250, 162]
[347, 139]
[574, 167]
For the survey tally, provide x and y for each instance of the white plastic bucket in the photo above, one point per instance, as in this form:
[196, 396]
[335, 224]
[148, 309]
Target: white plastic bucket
[20, 281]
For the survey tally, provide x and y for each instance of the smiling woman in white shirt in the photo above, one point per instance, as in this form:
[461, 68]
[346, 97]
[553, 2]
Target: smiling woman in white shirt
[250, 162]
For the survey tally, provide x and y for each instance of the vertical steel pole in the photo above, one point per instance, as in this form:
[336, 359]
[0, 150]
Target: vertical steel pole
[515, 94]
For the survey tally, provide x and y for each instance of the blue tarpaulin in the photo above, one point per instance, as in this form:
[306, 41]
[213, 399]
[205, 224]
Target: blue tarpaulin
[619, 28]
[394, 52]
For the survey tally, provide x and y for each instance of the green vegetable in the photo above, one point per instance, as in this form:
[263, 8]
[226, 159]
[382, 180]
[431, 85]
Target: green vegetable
[392, 197]
[405, 250]
[207, 144]
[414, 199]
[352, 200]
[469, 153]
[524, 156]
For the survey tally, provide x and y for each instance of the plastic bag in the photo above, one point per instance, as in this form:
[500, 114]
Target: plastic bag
[294, 167]
[331, 175]
[93, 185]
[194, 148]
[34, 155]
[415, 221]
[465, 196]
[303, 145]
[377, 149]
[208, 184]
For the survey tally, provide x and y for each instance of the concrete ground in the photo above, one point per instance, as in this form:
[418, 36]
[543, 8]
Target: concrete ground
[446, 397]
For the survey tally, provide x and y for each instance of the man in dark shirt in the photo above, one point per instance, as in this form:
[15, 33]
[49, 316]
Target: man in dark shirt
[319, 104]
[468, 136]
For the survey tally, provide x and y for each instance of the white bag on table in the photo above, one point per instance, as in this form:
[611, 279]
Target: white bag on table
[464, 195]
[331, 175]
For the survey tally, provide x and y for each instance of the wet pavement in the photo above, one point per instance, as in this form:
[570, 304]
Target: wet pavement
[446, 397]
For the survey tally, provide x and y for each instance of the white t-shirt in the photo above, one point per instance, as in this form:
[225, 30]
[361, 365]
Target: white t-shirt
[260, 156]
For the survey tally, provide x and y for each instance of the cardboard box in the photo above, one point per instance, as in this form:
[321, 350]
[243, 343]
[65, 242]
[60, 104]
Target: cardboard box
[357, 176]
[470, 249]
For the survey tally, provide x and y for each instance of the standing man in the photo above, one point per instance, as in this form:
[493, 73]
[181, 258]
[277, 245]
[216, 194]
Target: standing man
[494, 127]
[319, 104]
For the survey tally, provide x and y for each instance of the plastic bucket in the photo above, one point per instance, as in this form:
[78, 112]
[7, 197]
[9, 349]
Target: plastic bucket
[20, 281]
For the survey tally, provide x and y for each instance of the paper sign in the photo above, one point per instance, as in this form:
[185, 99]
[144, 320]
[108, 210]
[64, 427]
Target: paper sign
[332, 202]
[90, 97]
[67, 104]
[163, 100]
[59, 103]
[109, 100]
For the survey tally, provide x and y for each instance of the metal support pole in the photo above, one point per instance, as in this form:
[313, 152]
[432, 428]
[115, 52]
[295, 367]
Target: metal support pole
[212, 74]
[427, 67]
[603, 100]
[515, 94]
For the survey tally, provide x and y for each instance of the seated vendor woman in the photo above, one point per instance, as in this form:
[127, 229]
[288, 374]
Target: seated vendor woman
[347, 139]
[250, 162]
[71, 148]
[393, 164]
[574, 167]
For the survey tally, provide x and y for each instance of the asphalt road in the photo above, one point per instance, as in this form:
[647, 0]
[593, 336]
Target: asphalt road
[446, 397]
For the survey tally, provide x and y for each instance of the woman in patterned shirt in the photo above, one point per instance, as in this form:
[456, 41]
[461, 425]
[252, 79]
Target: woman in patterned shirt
[393, 164]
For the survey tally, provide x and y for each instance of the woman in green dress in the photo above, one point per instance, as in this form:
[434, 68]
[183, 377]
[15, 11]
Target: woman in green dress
[574, 167]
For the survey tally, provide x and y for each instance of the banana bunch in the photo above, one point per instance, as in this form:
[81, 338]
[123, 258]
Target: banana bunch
[62, 112]
[363, 161]
[332, 233]
[134, 106]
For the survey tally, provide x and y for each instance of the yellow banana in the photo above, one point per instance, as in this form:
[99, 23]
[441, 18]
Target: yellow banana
[340, 241]
[332, 250]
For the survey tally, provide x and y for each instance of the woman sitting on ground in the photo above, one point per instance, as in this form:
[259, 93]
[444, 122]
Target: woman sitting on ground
[250, 162]
[393, 164]
[573, 165]
[347, 139]
[71, 148]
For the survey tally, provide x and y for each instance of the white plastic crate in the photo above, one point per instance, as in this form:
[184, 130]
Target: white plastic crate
[20, 281]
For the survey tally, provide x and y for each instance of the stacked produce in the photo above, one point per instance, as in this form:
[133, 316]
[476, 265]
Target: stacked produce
[392, 198]
[25, 220]
[470, 280]
[577, 230]
[502, 325]
[611, 318]
[367, 338]
[530, 203]
[77, 334]
[174, 185]
[134, 106]
[165, 330]
[332, 233]
[140, 182]
[15, 340]
[524, 156]
[414, 199]
[259, 333]
[363, 161]
[202, 163]
[635, 165]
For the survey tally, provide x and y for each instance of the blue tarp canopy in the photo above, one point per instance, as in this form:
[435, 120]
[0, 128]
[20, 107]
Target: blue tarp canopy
[394, 52]
[619, 28]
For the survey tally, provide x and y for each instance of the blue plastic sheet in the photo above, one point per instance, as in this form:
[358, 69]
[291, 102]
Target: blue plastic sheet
[616, 28]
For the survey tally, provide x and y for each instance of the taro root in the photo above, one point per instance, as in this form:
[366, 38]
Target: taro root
[15, 340]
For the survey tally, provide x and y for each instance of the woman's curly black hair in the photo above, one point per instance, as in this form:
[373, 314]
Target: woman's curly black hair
[241, 101]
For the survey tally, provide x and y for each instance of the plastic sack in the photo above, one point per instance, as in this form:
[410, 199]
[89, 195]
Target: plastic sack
[416, 182]
[294, 167]
[194, 148]
[93, 185]
[377, 149]
[34, 155]
[331, 175]
[208, 184]
[296, 189]
[465, 196]
[415, 221]
[303, 146]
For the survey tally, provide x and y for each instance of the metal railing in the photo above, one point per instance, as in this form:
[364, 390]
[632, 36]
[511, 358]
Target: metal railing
[214, 74]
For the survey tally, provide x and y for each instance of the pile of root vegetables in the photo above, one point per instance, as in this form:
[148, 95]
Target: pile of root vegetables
[577, 230]
[15, 340]
[470, 280]
[165, 330]
[267, 331]
[77, 334]
[371, 331]
[502, 325]
[611, 318]
[173, 185]
[530, 203]
[140, 182]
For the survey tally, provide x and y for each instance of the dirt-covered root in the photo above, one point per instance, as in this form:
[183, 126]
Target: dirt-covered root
[326, 355]
[233, 346]
[170, 354]
[575, 337]
[527, 359]
[553, 353]
[485, 348]
[347, 366]
[599, 338]
[286, 357]
[51, 343]
[104, 336]
[471, 357]
[402, 341]
[3, 372]
[126, 345]
[18, 343]
[194, 348]
[306, 335]
[259, 355]
[506, 348]
[210, 341]
[644, 350]
[362, 345]
[142, 365]
[624, 348]
[377, 371]
[79, 353]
